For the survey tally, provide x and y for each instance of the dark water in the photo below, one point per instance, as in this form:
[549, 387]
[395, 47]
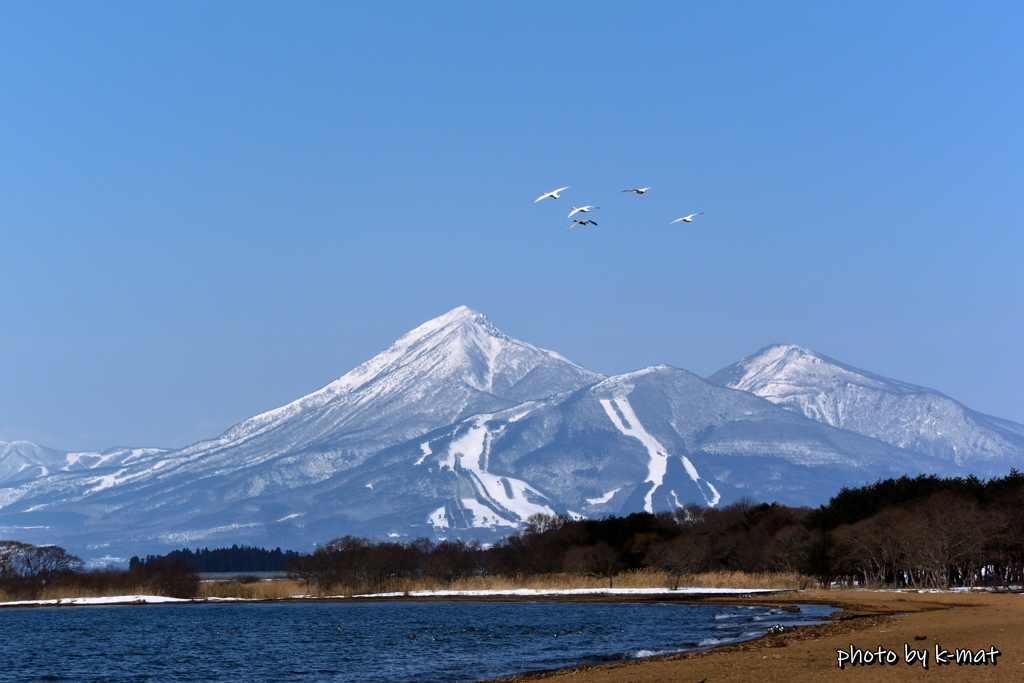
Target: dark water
[339, 642]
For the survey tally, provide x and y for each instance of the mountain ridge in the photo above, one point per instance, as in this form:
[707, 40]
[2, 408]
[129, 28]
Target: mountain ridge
[458, 429]
[897, 412]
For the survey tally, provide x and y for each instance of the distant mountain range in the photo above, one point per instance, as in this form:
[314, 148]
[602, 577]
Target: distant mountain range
[459, 430]
[904, 415]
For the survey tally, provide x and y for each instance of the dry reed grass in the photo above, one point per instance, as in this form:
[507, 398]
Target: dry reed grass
[644, 578]
[63, 592]
[276, 589]
[272, 589]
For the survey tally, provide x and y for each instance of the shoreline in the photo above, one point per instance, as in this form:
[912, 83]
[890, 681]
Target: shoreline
[865, 619]
[861, 619]
[511, 595]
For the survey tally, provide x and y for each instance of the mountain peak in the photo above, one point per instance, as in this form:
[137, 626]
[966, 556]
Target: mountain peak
[902, 414]
[457, 317]
[778, 366]
[461, 321]
[436, 372]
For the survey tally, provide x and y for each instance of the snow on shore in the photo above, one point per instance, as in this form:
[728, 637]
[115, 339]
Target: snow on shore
[515, 592]
[110, 600]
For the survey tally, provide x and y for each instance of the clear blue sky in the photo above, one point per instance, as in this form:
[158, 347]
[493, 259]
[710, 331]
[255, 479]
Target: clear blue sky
[209, 209]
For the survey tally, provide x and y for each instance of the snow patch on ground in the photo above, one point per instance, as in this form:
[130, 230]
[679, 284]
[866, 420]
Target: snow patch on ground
[483, 516]
[506, 499]
[629, 424]
[601, 500]
[658, 463]
[425, 448]
[114, 600]
[107, 481]
[194, 535]
[692, 471]
[439, 519]
[716, 496]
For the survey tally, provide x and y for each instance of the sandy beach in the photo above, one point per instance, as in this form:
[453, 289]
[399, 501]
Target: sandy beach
[869, 620]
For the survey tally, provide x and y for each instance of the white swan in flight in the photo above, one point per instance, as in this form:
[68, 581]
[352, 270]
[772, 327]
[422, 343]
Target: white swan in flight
[641, 190]
[580, 209]
[585, 221]
[687, 219]
[553, 194]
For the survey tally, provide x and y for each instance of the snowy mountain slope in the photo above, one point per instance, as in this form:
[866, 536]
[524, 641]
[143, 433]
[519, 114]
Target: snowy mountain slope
[457, 430]
[649, 440]
[898, 413]
[24, 461]
[448, 368]
[454, 365]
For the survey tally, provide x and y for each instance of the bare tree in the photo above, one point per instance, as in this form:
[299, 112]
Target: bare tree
[12, 554]
[945, 541]
[539, 523]
[878, 545]
[678, 557]
[303, 568]
[598, 560]
[46, 562]
[787, 551]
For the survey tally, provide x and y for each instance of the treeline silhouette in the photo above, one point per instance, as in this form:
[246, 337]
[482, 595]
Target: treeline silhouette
[924, 531]
[27, 571]
[908, 532]
[234, 559]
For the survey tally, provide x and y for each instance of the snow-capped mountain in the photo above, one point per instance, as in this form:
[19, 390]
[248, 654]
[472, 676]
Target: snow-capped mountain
[458, 430]
[24, 460]
[648, 440]
[456, 365]
[905, 415]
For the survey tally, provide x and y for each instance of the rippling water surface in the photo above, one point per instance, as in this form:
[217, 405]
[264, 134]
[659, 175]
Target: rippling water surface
[370, 641]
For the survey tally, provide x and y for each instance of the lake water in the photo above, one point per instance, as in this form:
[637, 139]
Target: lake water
[370, 641]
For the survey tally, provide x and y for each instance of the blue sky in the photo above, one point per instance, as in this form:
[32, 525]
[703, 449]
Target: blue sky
[209, 209]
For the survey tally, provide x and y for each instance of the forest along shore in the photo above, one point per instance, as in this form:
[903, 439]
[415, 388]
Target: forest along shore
[925, 532]
[896, 621]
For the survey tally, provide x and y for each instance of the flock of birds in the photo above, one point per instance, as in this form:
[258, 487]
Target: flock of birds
[556, 194]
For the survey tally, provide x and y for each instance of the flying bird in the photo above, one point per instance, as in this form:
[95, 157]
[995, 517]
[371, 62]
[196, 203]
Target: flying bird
[687, 219]
[640, 190]
[580, 209]
[585, 221]
[553, 194]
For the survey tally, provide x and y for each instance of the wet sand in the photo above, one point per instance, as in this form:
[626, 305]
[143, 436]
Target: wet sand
[869, 619]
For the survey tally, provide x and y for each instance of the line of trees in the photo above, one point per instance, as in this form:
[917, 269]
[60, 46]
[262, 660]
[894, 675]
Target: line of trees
[234, 559]
[27, 571]
[36, 563]
[923, 532]
[741, 537]
[907, 532]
